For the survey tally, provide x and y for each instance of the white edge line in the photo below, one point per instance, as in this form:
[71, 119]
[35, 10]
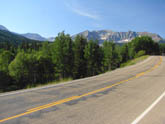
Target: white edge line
[70, 82]
[148, 109]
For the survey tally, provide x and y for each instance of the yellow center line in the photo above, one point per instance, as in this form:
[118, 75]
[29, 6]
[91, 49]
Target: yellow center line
[54, 103]
[83, 95]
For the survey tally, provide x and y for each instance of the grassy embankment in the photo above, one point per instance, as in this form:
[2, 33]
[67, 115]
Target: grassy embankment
[128, 63]
[49, 83]
[134, 61]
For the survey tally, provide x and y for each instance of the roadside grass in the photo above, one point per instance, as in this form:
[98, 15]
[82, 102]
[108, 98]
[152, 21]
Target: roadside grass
[49, 83]
[134, 61]
[128, 63]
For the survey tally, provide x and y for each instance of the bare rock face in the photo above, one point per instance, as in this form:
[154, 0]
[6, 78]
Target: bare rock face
[117, 37]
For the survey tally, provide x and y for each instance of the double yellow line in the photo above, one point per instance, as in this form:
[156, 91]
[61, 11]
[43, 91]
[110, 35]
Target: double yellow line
[77, 97]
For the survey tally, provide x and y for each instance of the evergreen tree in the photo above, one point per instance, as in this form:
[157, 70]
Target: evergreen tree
[79, 70]
[5, 58]
[5, 80]
[94, 56]
[63, 55]
[145, 43]
[116, 56]
[125, 53]
[45, 68]
[108, 51]
[18, 69]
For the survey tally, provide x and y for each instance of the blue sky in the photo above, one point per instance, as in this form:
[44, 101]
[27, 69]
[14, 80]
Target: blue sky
[49, 17]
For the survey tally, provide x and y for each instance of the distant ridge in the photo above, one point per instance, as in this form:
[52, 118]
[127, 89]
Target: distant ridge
[31, 36]
[3, 28]
[9, 37]
[117, 37]
[100, 35]
[34, 36]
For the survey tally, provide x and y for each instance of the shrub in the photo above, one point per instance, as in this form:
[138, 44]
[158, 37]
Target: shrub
[140, 53]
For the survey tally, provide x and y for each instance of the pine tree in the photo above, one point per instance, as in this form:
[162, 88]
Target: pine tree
[63, 55]
[108, 55]
[94, 56]
[5, 80]
[79, 70]
[125, 53]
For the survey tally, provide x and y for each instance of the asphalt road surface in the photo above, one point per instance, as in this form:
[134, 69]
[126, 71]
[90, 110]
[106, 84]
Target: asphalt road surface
[129, 95]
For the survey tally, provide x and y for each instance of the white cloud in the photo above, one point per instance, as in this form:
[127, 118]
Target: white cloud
[82, 11]
[87, 14]
[97, 25]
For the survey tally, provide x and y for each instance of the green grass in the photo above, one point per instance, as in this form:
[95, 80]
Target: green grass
[134, 61]
[128, 63]
[49, 83]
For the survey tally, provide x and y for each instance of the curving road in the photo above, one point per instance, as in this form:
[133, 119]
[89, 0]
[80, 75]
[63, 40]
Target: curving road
[129, 95]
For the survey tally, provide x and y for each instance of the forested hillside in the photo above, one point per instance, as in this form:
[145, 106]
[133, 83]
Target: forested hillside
[29, 64]
[6, 36]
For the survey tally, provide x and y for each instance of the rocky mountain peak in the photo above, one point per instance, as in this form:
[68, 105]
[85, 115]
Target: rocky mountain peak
[117, 37]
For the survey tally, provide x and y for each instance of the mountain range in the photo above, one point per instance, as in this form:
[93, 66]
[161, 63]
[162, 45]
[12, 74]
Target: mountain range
[11, 37]
[117, 37]
[3, 28]
[32, 36]
[100, 35]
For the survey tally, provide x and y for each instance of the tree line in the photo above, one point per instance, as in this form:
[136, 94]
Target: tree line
[29, 64]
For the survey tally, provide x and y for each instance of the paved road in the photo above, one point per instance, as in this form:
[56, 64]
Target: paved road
[124, 96]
